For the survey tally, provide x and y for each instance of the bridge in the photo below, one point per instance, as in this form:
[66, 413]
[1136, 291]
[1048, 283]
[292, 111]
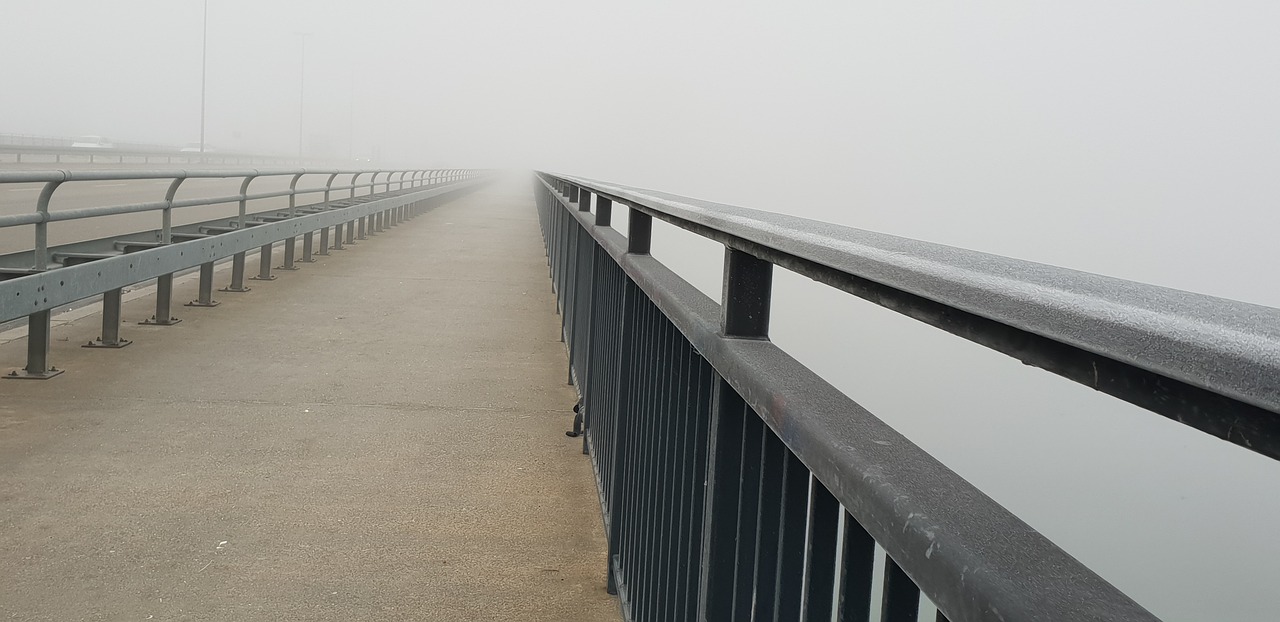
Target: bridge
[375, 427]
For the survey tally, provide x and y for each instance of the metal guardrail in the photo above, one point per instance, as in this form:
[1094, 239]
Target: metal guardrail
[145, 154]
[736, 484]
[36, 291]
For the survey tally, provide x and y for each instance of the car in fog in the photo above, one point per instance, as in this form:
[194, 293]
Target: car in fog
[92, 142]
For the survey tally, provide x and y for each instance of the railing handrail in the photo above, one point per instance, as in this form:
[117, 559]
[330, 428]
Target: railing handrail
[1207, 362]
[79, 283]
[12, 177]
[966, 552]
[139, 150]
[60, 176]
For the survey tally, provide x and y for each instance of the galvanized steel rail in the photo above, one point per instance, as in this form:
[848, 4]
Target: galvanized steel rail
[42, 285]
[145, 153]
[736, 484]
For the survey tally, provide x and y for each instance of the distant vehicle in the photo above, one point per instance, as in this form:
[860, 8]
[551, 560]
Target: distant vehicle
[92, 142]
[195, 148]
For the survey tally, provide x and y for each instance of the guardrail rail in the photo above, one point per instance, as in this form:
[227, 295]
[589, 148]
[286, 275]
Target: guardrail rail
[736, 484]
[33, 283]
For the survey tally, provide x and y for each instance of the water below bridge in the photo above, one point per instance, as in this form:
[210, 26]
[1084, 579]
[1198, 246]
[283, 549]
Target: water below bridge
[379, 435]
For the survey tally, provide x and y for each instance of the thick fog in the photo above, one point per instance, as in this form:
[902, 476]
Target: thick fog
[1137, 139]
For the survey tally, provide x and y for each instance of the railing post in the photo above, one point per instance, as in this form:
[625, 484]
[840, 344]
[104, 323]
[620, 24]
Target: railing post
[324, 241]
[637, 244]
[337, 237]
[639, 232]
[290, 244]
[206, 287]
[744, 314]
[237, 274]
[238, 260]
[39, 327]
[39, 324]
[264, 264]
[745, 294]
[589, 249]
[164, 301]
[110, 322]
[164, 283]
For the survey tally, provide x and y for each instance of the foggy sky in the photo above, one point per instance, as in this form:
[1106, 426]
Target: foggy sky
[1135, 139]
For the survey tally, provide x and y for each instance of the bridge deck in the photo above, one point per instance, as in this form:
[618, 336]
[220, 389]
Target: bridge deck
[376, 436]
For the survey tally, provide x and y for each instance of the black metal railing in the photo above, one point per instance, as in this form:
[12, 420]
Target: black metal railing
[738, 485]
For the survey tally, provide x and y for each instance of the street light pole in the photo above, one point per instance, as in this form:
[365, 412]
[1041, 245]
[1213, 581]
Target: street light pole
[302, 80]
[204, 65]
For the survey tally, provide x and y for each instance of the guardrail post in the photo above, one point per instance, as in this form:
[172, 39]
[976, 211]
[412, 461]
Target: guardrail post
[360, 227]
[39, 327]
[291, 243]
[164, 283]
[306, 247]
[351, 232]
[337, 237]
[324, 241]
[264, 264]
[39, 324]
[110, 322]
[290, 248]
[237, 274]
[205, 298]
[164, 298]
[237, 260]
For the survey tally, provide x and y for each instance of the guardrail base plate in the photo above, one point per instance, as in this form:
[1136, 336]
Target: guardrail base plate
[22, 374]
[197, 303]
[98, 343]
[262, 278]
[228, 289]
[154, 322]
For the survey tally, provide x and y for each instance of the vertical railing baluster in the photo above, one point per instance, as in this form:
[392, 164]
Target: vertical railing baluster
[820, 560]
[707, 383]
[666, 464]
[768, 521]
[751, 466]
[718, 555]
[648, 440]
[901, 599]
[790, 575]
[857, 566]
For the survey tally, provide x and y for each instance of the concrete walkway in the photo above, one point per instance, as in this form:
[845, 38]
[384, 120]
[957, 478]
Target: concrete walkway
[377, 436]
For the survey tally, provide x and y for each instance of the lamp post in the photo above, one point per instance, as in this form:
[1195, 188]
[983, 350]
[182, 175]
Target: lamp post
[204, 69]
[302, 80]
